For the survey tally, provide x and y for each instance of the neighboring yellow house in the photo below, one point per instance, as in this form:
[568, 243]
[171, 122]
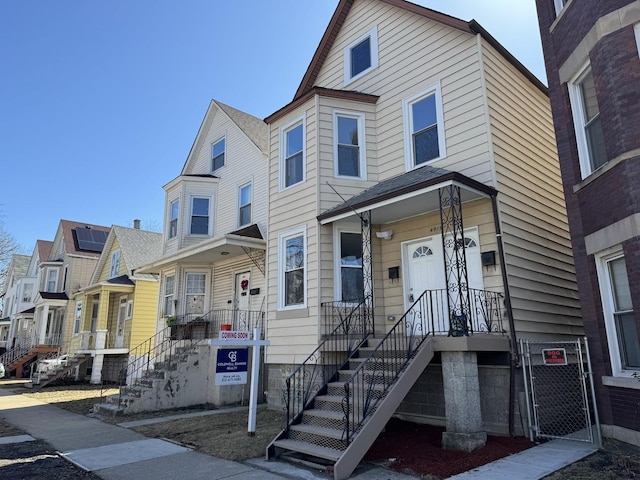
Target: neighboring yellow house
[117, 311]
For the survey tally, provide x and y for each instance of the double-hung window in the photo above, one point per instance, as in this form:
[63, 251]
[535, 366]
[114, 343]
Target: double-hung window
[52, 279]
[361, 56]
[217, 154]
[622, 331]
[174, 208]
[424, 128]
[199, 216]
[244, 207]
[559, 4]
[586, 120]
[292, 161]
[196, 286]
[27, 292]
[115, 264]
[169, 288]
[78, 317]
[636, 29]
[349, 149]
[292, 269]
[351, 279]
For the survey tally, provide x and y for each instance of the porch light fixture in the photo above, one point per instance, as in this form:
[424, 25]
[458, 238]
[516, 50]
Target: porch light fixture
[386, 235]
[224, 253]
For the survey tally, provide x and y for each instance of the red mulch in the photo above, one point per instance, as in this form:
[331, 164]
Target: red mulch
[410, 447]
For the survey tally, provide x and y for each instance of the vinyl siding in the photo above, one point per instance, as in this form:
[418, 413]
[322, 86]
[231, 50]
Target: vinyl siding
[106, 266]
[224, 283]
[142, 324]
[532, 208]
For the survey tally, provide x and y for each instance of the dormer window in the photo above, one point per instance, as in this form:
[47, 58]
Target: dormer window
[217, 154]
[115, 264]
[361, 56]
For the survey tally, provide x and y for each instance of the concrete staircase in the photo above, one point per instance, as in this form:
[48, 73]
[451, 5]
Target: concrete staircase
[40, 380]
[156, 387]
[343, 420]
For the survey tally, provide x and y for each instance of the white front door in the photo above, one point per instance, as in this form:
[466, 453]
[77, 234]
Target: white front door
[241, 303]
[122, 315]
[424, 270]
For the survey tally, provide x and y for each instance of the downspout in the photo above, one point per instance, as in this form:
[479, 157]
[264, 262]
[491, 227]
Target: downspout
[507, 303]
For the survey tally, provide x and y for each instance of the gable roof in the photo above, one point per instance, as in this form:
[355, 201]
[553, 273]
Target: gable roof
[19, 264]
[43, 247]
[71, 241]
[137, 247]
[342, 10]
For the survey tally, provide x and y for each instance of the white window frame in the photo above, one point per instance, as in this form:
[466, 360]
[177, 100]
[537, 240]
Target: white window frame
[25, 287]
[373, 44]
[282, 239]
[224, 154]
[50, 271]
[115, 264]
[608, 308]
[360, 118]
[338, 260]
[241, 205]
[408, 126]
[560, 4]
[170, 219]
[169, 297]
[77, 318]
[209, 215]
[636, 29]
[205, 293]
[578, 113]
[284, 130]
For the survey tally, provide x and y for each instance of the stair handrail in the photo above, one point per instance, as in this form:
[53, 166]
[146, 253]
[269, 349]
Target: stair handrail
[389, 358]
[313, 374]
[12, 355]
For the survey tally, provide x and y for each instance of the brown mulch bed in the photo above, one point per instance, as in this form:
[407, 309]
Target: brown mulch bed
[415, 449]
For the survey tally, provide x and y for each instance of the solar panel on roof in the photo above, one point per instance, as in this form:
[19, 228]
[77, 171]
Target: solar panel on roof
[91, 240]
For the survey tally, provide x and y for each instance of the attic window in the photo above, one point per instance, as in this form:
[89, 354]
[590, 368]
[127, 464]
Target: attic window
[361, 56]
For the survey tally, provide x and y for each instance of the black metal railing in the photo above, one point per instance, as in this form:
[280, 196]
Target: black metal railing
[352, 327]
[210, 323]
[428, 315]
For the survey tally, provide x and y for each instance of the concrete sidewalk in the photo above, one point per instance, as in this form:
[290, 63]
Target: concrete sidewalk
[114, 452]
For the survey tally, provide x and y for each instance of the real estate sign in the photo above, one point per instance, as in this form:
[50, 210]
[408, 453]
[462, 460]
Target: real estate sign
[231, 366]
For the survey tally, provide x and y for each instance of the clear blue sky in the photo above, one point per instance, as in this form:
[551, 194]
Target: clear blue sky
[101, 100]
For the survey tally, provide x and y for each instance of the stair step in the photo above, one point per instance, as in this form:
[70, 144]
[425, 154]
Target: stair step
[309, 449]
[316, 430]
[323, 418]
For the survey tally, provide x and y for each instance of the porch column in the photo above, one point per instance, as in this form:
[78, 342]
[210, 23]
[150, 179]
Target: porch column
[455, 261]
[103, 310]
[462, 402]
[367, 269]
[96, 369]
[44, 320]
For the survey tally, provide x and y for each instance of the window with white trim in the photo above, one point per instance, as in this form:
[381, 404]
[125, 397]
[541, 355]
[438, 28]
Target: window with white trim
[351, 280]
[586, 120]
[196, 288]
[129, 309]
[115, 264]
[361, 56]
[292, 247]
[174, 208]
[424, 127]
[620, 324]
[349, 151]
[52, 279]
[199, 216]
[169, 289]
[292, 156]
[244, 205]
[27, 292]
[218, 150]
[78, 317]
[636, 29]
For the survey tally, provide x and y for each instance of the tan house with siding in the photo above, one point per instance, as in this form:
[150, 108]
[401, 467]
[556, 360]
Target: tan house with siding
[117, 311]
[429, 233]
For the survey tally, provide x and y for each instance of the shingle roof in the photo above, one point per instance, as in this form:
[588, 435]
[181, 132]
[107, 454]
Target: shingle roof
[54, 295]
[411, 181]
[70, 244]
[253, 127]
[20, 264]
[138, 247]
[44, 249]
[252, 231]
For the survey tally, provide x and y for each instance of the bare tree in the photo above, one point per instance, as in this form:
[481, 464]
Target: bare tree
[8, 246]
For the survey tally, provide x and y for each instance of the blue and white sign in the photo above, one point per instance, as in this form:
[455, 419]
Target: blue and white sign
[231, 366]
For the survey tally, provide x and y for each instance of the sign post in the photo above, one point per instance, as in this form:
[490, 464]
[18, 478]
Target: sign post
[241, 339]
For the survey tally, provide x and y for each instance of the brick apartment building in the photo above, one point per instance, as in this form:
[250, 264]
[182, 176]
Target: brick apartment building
[592, 55]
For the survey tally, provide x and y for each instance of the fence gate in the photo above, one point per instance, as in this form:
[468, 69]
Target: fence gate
[559, 390]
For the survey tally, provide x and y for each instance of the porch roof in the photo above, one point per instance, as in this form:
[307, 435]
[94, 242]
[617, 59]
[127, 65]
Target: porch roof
[224, 247]
[407, 195]
[54, 296]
